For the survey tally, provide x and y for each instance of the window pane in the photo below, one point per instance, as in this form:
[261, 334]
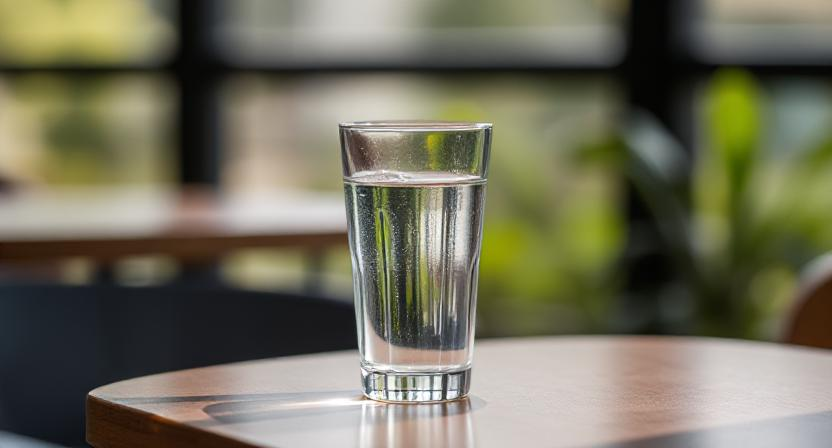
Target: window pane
[86, 31]
[58, 131]
[553, 227]
[734, 31]
[426, 32]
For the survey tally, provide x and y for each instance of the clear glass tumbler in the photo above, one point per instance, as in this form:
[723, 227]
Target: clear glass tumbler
[415, 193]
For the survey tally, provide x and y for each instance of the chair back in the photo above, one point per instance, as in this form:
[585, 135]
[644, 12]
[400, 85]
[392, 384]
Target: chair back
[59, 342]
[810, 321]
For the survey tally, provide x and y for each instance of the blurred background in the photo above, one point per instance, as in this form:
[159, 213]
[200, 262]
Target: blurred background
[658, 167]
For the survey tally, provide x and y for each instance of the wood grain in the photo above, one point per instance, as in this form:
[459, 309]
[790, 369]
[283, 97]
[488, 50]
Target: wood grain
[193, 248]
[557, 391]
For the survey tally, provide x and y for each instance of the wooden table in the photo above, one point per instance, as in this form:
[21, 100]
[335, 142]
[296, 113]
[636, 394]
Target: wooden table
[190, 225]
[557, 391]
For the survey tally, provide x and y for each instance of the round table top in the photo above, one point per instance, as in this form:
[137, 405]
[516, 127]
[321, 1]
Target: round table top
[553, 391]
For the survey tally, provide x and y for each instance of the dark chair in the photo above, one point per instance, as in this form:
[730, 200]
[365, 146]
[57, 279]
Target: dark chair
[58, 342]
[810, 322]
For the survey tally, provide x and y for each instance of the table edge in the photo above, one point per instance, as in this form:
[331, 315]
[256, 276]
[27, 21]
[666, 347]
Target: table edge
[109, 424]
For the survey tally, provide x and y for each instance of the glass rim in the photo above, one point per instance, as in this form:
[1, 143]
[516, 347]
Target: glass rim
[413, 125]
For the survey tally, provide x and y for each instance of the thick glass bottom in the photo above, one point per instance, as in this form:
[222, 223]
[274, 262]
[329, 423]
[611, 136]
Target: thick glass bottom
[415, 388]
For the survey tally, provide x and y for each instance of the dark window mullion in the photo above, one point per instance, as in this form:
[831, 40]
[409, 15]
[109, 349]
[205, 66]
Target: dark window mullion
[198, 79]
[652, 73]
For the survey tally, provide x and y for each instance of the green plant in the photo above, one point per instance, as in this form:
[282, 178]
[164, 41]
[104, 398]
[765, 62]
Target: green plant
[751, 218]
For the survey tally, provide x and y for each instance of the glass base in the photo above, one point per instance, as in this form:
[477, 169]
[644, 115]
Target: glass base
[415, 387]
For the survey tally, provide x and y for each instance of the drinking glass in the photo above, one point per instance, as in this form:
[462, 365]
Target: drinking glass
[415, 193]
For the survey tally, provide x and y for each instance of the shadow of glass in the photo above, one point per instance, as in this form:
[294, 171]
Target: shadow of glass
[381, 424]
[243, 409]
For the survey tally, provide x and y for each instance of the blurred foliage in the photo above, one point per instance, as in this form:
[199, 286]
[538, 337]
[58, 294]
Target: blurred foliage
[85, 131]
[85, 31]
[761, 215]
[754, 215]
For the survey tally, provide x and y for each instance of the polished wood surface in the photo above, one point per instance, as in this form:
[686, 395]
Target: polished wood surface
[190, 225]
[549, 392]
[810, 321]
